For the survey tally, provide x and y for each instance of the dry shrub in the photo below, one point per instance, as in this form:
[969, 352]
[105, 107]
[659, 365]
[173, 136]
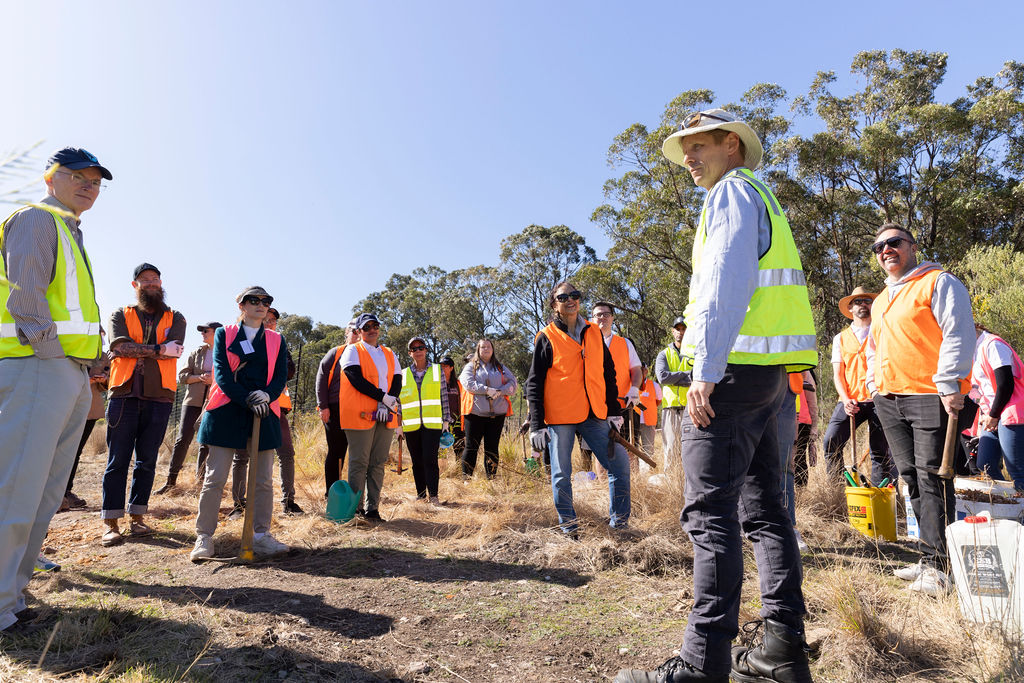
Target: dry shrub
[824, 497]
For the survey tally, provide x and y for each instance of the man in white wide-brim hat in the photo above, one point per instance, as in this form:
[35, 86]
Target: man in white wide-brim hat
[748, 323]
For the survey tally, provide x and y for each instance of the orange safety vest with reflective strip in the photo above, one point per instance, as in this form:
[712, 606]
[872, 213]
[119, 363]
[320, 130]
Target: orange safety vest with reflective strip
[356, 409]
[907, 339]
[122, 368]
[217, 397]
[649, 400]
[620, 358]
[855, 365]
[574, 384]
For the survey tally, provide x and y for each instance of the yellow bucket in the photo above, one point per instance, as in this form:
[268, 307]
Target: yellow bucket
[872, 511]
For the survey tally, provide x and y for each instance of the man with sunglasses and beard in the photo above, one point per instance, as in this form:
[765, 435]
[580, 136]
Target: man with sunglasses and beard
[748, 323]
[919, 355]
[145, 344]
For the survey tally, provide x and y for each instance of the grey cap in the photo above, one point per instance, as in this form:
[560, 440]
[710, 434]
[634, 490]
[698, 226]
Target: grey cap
[679, 321]
[255, 290]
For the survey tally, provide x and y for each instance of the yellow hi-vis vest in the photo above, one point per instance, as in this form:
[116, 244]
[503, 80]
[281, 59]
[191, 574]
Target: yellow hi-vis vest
[421, 405]
[673, 396]
[778, 328]
[71, 297]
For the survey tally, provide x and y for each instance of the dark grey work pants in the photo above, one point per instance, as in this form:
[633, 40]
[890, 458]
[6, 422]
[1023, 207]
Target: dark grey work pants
[733, 473]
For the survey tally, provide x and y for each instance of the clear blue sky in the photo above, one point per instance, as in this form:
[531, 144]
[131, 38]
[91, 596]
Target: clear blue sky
[317, 147]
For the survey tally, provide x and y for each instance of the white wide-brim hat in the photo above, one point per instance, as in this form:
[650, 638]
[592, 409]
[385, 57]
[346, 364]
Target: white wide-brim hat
[713, 119]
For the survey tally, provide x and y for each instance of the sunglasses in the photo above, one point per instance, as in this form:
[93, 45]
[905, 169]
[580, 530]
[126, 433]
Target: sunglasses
[694, 119]
[861, 302]
[894, 242]
[575, 295]
[371, 326]
[417, 348]
[258, 300]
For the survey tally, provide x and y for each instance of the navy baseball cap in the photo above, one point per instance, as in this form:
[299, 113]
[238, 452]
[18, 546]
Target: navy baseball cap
[144, 266]
[76, 158]
[365, 318]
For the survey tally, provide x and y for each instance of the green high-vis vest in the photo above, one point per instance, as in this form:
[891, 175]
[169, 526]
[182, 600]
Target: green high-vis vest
[778, 328]
[673, 396]
[71, 297]
[421, 405]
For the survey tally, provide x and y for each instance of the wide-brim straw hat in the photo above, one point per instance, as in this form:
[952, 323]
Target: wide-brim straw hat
[858, 293]
[713, 119]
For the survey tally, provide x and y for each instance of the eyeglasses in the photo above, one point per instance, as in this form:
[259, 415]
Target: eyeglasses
[894, 242]
[371, 326]
[694, 119]
[83, 181]
[861, 302]
[417, 348]
[575, 295]
[258, 300]
[603, 314]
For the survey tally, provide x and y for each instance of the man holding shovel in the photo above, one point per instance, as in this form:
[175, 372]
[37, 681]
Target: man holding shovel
[919, 354]
[849, 371]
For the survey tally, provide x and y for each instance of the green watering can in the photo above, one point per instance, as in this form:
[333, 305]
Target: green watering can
[341, 502]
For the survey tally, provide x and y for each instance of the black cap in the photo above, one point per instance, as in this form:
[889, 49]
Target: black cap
[76, 158]
[208, 326]
[679, 321]
[365, 318]
[447, 360]
[144, 266]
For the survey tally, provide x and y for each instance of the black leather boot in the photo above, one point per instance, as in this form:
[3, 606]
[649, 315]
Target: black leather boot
[780, 658]
[674, 670]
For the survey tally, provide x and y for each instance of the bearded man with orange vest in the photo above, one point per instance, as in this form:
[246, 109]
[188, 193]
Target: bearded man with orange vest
[849, 372]
[369, 411]
[145, 343]
[919, 357]
[49, 338]
[329, 380]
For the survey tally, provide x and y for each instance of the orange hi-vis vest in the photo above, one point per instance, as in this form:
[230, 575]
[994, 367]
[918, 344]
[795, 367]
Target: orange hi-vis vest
[285, 400]
[620, 358]
[574, 384]
[649, 400]
[907, 339]
[217, 397]
[796, 385]
[855, 365]
[338, 350]
[122, 368]
[355, 408]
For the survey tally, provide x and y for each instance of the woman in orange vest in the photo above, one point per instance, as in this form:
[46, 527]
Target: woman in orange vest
[571, 389]
[486, 387]
[250, 368]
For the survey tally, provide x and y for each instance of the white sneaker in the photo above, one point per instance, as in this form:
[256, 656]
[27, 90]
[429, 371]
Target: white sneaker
[800, 542]
[203, 548]
[910, 572]
[931, 582]
[267, 545]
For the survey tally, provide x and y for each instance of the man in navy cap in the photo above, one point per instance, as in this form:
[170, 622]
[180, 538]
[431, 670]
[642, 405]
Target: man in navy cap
[145, 343]
[49, 336]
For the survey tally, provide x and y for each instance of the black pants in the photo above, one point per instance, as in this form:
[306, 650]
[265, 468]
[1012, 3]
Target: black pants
[838, 433]
[337, 447]
[423, 446]
[89, 424]
[487, 429]
[190, 416]
[915, 427]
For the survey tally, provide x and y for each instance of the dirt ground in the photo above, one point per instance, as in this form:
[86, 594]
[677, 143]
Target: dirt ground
[481, 589]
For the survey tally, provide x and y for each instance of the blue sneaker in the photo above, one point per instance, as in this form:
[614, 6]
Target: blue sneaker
[45, 565]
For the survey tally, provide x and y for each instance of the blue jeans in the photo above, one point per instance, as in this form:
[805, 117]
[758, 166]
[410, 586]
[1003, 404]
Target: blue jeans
[595, 433]
[733, 476]
[787, 437]
[1006, 445]
[133, 426]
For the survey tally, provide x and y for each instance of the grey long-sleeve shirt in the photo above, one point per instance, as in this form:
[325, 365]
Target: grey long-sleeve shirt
[951, 306]
[30, 255]
[666, 376]
[738, 234]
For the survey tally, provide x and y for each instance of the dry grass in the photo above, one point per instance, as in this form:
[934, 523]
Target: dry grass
[865, 625]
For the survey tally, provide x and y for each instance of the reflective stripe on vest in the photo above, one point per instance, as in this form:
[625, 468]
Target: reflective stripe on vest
[421, 405]
[855, 364]
[122, 368]
[907, 338]
[355, 408]
[649, 400]
[778, 328]
[574, 385]
[70, 296]
[1013, 413]
[273, 341]
[620, 359]
[675, 396]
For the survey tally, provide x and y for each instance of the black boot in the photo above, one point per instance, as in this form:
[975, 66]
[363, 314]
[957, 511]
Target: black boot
[674, 670]
[780, 658]
[172, 480]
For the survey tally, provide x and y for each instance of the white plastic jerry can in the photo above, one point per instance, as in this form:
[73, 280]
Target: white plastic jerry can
[987, 558]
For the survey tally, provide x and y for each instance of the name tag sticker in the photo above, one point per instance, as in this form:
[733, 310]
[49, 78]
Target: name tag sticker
[246, 346]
